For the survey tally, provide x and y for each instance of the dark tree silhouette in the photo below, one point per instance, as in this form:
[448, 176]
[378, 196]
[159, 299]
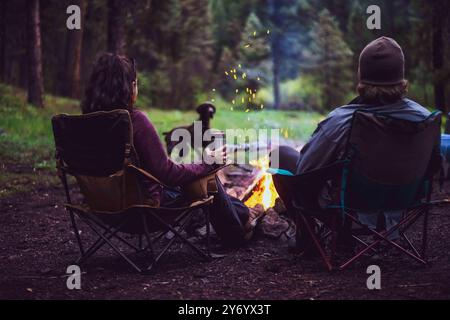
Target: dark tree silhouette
[440, 12]
[74, 40]
[116, 26]
[2, 39]
[34, 50]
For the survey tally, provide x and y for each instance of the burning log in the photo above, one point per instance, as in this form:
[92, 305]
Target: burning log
[262, 191]
[257, 191]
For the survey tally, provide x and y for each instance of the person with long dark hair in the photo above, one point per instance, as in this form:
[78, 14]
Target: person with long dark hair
[113, 85]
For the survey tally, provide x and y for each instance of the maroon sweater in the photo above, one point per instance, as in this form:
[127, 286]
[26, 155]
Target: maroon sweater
[153, 157]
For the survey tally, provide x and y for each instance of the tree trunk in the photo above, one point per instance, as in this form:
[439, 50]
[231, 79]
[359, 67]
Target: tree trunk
[35, 80]
[72, 79]
[116, 26]
[276, 82]
[2, 39]
[276, 70]
[438, 54]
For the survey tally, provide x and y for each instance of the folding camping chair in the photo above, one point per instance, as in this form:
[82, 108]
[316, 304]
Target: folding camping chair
[389, 166]
[445, 149]
[97, 149]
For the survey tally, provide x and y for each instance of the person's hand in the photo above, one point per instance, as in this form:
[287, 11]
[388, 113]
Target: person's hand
[217, 156]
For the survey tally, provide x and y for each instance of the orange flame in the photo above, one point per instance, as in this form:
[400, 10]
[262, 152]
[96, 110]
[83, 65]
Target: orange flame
[264, 192]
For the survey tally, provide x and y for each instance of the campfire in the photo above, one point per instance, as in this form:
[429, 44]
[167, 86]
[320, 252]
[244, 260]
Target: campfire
[262, 191]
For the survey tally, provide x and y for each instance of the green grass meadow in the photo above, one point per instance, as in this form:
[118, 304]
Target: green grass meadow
[26, 136]
[26, 131]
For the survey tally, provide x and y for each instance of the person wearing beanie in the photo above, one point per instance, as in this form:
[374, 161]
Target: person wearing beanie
[382, 88]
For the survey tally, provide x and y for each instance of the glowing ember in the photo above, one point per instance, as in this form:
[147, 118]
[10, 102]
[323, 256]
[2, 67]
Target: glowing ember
[264, 191]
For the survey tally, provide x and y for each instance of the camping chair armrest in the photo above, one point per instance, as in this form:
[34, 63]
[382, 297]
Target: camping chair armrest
[193, 205]
[201, 187]
[306, 187]
[320, 175]
[144, 174]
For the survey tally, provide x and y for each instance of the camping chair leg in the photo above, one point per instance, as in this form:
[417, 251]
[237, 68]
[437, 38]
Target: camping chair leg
[334, 235]
[117, 250]
[108, 232]
[140, 241]
[161, 234]
[76, 231]
[425, 233]
[364, 243]
[208, 232]
[169, 244]
[147, 236]
[383, 237]
[91, 250]
[316, 242]
[63, 178]
[411, 246]
[380, 237]
[177, 234]
[118, 237]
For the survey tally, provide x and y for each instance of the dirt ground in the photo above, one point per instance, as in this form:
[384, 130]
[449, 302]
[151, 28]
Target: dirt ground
[37, 245]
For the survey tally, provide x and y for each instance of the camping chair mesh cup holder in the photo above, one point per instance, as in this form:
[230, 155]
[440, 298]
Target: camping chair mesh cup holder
[388, 166]
[97, 150]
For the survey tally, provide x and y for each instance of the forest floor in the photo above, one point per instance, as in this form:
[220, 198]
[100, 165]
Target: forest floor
[37, 245]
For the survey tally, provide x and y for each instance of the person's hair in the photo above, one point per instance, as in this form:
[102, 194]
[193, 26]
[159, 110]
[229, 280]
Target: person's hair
[110, 85]
[384, 94]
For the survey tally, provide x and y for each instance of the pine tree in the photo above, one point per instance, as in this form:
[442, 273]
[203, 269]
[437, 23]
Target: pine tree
[74, 41]
[359, 35]
[116, 26]
[254, 49]
[331, 58]
[35, 78]
[254, 58]
[286, 35]
[189, 52]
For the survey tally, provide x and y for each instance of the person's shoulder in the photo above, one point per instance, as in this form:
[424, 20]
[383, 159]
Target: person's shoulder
[344, 112]
[338, 121]
[139, 114]
[140, 120]
[416, 107]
